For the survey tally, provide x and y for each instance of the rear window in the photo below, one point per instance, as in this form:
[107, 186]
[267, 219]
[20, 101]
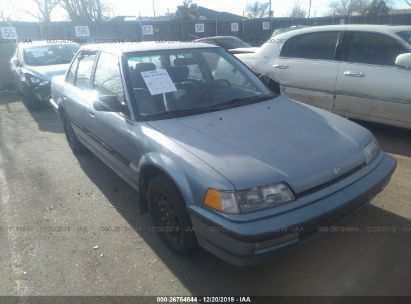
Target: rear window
[311, 46]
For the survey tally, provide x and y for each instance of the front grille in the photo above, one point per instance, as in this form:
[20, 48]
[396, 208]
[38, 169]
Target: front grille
[331, 182]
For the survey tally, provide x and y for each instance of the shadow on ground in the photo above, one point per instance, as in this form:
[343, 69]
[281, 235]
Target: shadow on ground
[46, 119]
[372, 259]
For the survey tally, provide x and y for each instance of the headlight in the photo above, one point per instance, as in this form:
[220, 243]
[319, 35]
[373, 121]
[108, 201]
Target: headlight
[371, 151]
[37, 81]
[246, 201]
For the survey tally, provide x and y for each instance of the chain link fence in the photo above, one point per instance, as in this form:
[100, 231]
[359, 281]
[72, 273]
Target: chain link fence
[254, 31]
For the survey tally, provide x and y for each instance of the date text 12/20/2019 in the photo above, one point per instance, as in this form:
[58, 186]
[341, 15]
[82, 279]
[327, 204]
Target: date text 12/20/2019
[204, 299]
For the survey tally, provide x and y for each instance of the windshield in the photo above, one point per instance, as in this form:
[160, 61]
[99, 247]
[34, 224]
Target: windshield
[232, 43]
[50, 54]
[406, 35]
[177, 82]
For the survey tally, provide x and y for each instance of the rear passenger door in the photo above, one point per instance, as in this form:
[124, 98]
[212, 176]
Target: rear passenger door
[306, 68]
[78, 91]
[370, 86]
[110, 131]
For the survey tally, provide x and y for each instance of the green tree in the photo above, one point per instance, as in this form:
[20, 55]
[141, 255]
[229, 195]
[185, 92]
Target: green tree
[378, 8]
[257, 10]
[187, 11]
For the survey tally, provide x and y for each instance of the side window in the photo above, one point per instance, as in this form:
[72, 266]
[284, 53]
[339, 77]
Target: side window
[84, 70]
[71, 73]
[372, 48]
[107, 78]
[311, 46]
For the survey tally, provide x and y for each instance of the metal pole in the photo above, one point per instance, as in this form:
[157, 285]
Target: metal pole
[269, 12]
[309, 10]
[154, 9]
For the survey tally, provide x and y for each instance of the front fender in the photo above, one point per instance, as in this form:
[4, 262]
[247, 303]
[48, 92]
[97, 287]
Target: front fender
[174, 172]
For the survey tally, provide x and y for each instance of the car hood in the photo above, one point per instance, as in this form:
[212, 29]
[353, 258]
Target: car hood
[273, 141]
[47, 72]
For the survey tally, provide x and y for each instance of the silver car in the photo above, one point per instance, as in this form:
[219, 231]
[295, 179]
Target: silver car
[217, 158]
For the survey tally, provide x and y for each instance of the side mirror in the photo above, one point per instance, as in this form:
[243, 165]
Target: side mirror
[404, 60]
[108, 103]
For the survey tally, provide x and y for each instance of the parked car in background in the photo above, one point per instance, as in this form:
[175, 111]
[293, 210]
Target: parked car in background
[287, 29]
[233, 45]
[216, 157]
[357, 71]
[34, 64]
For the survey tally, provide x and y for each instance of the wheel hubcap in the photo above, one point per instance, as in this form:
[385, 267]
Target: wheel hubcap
[168, 217]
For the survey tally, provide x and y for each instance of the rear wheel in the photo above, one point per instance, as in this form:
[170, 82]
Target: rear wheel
[170, 216]
[75, 145]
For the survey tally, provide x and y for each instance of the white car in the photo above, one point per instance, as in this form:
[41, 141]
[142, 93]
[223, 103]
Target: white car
[357, 71]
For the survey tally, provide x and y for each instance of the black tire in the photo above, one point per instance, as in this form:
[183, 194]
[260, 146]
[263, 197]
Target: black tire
[32, 103]
[75, 144]
[170, 216]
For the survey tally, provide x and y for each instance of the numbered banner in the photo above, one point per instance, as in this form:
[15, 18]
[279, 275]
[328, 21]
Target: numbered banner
[82, 31]
[235, 27]
[9, 33]
[266, 25]
[199, 27]
[147, 30]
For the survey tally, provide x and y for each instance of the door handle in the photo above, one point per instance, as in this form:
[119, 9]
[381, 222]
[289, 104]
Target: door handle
[353, 74]
[281, 66]
[91, 114]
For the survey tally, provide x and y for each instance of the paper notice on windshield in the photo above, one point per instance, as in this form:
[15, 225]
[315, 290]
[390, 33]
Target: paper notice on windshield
[158, 82]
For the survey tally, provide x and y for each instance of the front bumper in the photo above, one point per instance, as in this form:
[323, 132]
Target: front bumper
[250, 242]
[40, 93]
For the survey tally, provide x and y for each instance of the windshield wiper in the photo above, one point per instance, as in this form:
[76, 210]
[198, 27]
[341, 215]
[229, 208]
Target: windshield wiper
[244, 100]
[218, 107]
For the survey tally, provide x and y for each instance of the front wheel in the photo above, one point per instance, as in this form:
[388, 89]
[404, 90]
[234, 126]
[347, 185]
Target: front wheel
[170, 216]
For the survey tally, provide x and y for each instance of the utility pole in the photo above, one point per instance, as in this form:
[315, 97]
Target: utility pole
[154, 10]
[270, 14]
[309, 10]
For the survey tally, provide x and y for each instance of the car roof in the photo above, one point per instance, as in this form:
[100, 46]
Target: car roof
[129, 47]
[388, 29]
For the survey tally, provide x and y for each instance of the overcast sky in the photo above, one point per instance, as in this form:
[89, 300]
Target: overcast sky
[145, 7]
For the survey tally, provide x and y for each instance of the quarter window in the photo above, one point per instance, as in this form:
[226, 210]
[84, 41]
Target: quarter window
[311, 46]
[372, 48]
[71, 73]
[84, 70]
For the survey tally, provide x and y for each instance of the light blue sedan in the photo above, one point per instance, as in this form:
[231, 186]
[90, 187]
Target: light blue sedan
[217, 158]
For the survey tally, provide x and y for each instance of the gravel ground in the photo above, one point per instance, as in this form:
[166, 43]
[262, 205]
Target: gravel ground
[69, 226]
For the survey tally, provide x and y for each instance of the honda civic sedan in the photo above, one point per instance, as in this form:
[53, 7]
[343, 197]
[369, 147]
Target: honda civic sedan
[217, 158]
